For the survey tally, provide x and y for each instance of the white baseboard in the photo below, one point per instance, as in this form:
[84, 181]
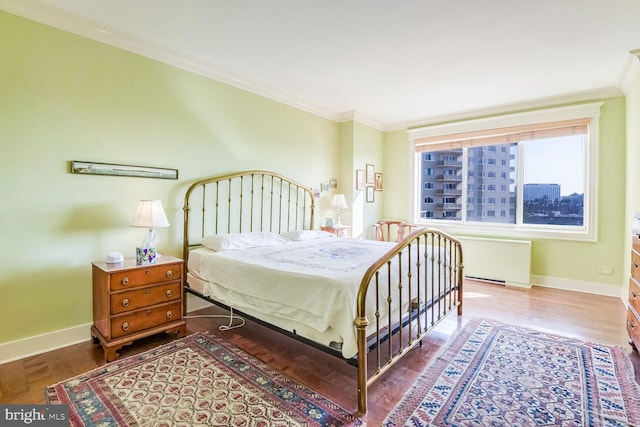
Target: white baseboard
[605, 289]
[30, 346]
[25, 347]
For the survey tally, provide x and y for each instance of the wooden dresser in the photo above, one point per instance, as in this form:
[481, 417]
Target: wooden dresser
[633, 313]
[133, 301]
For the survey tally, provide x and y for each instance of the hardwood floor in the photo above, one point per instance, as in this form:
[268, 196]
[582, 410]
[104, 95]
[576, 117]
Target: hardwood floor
[589, 317]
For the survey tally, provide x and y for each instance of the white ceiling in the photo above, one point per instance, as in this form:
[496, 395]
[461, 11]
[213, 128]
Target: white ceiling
[386, 63]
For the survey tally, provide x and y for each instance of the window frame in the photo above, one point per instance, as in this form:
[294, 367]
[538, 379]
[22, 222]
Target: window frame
[589, 230]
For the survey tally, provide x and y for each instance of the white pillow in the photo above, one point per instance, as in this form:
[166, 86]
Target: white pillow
[238, 241]
[307, 234]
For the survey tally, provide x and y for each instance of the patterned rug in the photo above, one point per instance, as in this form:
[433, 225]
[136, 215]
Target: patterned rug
[493, 374]
[195, 381]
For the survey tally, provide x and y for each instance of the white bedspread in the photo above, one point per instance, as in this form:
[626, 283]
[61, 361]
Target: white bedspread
[312, 283]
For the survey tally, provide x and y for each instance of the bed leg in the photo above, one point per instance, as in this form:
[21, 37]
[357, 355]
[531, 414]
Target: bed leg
[420, 343]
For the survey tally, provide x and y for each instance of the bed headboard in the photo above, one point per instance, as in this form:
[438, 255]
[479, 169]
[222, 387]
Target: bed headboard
[243, 202]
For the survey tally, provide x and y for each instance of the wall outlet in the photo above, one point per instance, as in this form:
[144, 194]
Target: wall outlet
[605, 270]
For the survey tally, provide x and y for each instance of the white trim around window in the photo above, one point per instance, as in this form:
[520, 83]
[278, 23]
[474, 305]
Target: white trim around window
[589, 232]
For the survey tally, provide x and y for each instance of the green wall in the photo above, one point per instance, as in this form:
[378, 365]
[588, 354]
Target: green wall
[62, 98]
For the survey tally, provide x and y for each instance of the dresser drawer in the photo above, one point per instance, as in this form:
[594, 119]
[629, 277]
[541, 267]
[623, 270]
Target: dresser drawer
[143, 276]
[634, 294]
[143, 297]
[145, 319]
[635, 265]
[633, 326]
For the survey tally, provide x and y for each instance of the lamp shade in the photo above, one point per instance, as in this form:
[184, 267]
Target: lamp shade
[149, 214]
[339, 201]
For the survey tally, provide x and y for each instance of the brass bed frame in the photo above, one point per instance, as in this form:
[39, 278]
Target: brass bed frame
[259, 200]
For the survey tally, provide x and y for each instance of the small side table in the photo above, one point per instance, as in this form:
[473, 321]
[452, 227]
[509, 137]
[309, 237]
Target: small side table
[132, 301]
[338, 230]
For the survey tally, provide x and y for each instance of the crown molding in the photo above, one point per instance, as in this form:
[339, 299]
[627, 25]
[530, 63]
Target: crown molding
[37, 11]
[573, 98]
[361, 118]
[631, 70]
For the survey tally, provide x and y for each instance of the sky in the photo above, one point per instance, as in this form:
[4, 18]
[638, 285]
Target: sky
[556, 161]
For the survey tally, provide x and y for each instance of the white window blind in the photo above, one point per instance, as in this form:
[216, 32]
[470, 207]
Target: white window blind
[504, 135]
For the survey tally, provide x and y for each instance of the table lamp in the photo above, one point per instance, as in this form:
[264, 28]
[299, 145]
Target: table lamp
[149, 214]
[338, 202]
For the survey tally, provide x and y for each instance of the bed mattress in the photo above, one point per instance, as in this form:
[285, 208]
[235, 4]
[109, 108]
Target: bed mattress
[307, 287]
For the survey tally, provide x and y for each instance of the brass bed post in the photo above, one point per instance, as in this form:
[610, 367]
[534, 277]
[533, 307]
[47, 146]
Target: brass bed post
[460, 276]
[361, 336]
[185, 251]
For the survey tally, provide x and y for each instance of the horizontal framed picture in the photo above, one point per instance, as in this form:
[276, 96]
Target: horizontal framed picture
[95, 168]
[371, 194]
[359, 179]
[378, 184]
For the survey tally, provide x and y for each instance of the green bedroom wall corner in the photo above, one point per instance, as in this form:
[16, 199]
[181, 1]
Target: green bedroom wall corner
[68, 98]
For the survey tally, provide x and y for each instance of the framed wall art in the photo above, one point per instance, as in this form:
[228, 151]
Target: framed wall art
[371, 172]
[370, 194]
[378, 184]
[360, 179]
[95, 168]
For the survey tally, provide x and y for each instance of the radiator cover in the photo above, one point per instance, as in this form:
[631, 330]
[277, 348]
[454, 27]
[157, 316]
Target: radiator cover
[497, 260]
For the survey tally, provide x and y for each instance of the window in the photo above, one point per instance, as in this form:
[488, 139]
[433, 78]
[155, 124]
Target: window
[540, 166]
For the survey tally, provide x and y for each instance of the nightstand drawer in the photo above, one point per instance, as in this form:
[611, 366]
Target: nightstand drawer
[339, 230]
[145, 319]
[143, 297]
[149, 274]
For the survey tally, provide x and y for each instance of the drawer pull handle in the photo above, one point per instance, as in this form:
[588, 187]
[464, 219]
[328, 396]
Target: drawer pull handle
[633, 294]
[125, 326]
[125, 281]
[147, 271]
[148, 290]
[148, 312]
[169, 293]
[125, 302]
[169, 274]
[631, 325]
[169, 314]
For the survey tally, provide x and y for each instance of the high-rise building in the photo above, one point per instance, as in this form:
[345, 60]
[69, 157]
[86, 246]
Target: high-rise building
[490, 192]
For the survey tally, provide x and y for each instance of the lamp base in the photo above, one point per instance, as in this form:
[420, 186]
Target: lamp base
[146, 255]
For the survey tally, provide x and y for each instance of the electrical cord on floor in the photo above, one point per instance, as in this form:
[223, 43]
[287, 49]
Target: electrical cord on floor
[230, 316]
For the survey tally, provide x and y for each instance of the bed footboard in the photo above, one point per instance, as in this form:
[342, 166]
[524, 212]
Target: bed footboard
[427, 279]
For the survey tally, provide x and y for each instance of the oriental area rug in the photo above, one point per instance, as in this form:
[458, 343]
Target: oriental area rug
[199, 380]
[494, 374]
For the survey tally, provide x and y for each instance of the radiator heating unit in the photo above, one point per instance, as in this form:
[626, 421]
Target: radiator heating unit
[497, 260]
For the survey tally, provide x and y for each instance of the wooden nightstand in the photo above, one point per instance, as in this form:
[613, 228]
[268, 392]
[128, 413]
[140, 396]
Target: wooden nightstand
[133, 301]
[338, 230]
